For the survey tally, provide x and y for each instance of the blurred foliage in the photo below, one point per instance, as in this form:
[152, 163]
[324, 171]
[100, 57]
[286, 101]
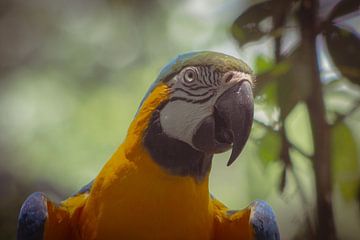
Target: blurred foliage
[72, 74]
[347, 59]
[292, 78]
[344, 161]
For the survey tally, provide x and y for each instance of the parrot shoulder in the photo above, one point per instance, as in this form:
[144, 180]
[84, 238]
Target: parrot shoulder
[32, 217]
[263, 221]
[85, 189]
[41, 218]
[257, 221]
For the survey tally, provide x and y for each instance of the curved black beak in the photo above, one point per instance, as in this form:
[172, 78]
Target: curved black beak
[236, 108]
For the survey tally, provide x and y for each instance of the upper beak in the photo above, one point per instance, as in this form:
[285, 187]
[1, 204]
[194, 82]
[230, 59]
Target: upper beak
[236, 108]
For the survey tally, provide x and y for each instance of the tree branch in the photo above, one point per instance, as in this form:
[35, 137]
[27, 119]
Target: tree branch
[325, 228]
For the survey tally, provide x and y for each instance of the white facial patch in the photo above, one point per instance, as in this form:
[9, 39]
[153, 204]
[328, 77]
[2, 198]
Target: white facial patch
[181, 118]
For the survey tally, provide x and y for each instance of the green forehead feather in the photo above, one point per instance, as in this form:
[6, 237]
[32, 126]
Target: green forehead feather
[220, 61]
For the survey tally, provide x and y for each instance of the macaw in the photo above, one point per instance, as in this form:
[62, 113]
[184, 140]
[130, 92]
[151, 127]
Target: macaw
[155, 186]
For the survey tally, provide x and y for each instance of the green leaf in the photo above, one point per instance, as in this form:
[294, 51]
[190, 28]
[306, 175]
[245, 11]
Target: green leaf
[263, 67]
[269, 147]
[268, 75]
[344, 48]
[252, 24]
[285, 84]
[298, 129]
[263, 64]
[294, 85]
[267, 91]
[246, 27]
[345, 165]
[343, 8]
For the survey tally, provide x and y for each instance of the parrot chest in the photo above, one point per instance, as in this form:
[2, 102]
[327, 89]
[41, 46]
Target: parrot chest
[139, 205]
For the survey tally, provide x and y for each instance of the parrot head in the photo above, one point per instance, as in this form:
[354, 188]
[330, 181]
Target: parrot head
[208, 110]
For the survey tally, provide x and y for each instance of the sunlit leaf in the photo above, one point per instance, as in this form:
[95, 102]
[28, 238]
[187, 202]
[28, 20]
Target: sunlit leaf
[263, 67]
[268, 75]
[345, 165]
[263, 64]
[301, 138]
[343, 8]
[269, 147]
[268, 92]
[344, 48]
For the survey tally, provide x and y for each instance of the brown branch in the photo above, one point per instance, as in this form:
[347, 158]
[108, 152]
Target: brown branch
[325, 228]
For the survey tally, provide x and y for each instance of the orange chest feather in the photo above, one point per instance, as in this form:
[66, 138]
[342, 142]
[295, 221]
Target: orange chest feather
[134, 198]
[144, 202]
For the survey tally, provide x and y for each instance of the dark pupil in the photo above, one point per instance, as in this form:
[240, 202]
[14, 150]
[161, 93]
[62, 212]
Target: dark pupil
[190, 75]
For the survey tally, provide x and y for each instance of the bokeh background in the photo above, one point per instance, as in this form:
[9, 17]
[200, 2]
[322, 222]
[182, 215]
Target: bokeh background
[72, 74]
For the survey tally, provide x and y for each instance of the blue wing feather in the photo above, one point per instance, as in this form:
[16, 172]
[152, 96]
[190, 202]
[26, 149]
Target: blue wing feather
[34, 213]
[32, 217]
[84, 189]
[263, 221]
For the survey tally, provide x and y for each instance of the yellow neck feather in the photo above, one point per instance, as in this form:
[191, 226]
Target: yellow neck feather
[139, 125]
[132, 185]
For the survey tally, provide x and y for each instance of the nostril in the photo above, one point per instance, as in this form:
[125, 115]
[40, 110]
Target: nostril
[229, 77]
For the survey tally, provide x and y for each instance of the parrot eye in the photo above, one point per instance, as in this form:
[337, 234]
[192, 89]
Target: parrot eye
[189, 75]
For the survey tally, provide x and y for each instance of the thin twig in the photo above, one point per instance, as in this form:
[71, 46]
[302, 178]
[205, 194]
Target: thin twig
[304, 201]
[264, 125]
[292, 145]
[285, 156]
[297, 180]
[301, 151]
[342, 117]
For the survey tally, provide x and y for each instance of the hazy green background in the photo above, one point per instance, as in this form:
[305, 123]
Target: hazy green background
[72, 74]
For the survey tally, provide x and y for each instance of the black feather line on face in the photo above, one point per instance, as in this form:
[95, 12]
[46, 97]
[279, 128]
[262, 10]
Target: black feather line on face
[217, 79]
[192, 100]
[211, 77]
[205, 74]
[190, 93]
[190, 85]
[199, 87]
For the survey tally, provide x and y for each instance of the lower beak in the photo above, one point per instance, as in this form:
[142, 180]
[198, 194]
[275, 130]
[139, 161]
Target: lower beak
[236, 108]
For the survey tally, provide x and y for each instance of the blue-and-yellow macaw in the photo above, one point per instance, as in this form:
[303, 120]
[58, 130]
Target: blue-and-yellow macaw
[155, 186]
